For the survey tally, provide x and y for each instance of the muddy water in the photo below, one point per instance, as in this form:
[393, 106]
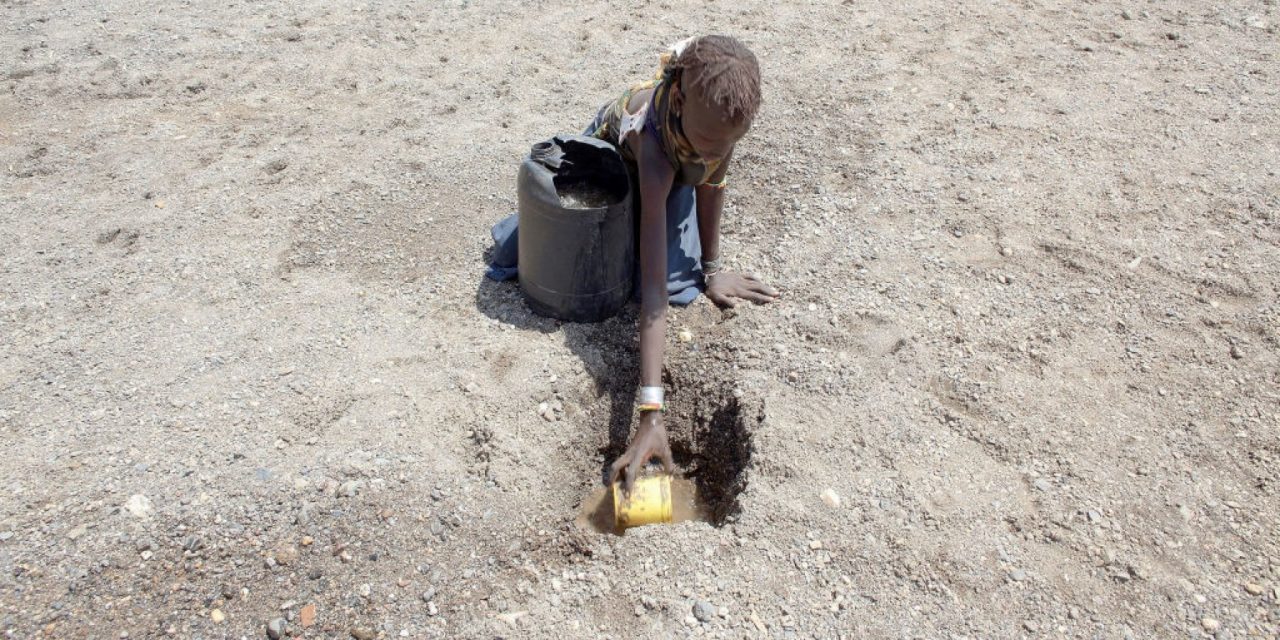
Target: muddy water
[596, 513]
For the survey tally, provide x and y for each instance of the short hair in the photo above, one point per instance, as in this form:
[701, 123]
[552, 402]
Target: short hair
[727, 73]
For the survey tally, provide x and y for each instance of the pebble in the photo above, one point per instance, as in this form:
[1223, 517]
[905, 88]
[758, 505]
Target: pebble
[429, 595]
[704, 611]
[1042, 485]
[139, 505]
[1236, 352]
[1125, 14]
[307, 616]
[685, 335]
[1031, 626]
[1210, 624]
[361, 633]
[1017, 575]
[5, 535]
[350, 488]
[830, 498]
[217, 615]
[77, 532]
[286, 555]
[1253, 588]
[276, 628]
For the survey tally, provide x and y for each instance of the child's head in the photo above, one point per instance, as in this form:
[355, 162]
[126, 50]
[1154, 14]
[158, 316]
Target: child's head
[720, 93]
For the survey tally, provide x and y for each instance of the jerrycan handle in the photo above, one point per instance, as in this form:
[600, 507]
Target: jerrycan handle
[548, 153]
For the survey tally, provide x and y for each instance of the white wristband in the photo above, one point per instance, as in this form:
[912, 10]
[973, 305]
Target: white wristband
[652, 395]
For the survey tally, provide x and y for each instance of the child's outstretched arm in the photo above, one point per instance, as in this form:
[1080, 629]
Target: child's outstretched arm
[656, 177]
[723, 286]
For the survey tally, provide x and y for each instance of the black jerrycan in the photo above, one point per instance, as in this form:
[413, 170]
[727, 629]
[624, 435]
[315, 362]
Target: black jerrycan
[577, 243]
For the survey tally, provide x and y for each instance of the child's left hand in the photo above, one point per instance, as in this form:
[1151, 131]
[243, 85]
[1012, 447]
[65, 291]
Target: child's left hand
[723, 287]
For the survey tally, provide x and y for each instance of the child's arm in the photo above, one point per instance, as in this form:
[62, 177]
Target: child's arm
[722, 286]
[656, 177]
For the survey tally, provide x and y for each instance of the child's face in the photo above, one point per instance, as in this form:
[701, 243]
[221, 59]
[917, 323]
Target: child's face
[711, 134]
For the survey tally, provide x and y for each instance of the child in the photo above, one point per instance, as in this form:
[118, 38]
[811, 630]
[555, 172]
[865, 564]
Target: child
[677, 133]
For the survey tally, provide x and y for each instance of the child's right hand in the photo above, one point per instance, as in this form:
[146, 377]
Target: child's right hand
[650, 442]
[723, 287]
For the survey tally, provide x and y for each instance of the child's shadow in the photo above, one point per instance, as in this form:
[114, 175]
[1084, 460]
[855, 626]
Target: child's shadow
[607, 350]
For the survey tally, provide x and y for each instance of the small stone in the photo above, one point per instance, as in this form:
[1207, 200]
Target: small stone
[1253, 588]
[1094, 516]
[432, 610]
[307, 541]
[830, 498]
[685, 335]
[217, 615]
[1124, 13]
[5, 536]
[276, 628]
[1030, 625]
[815, 545]
[1017, 575]
[77, 532]
[704, 611]
[793, 376]
[1210, 624]
[307, 616]
[350, 488]
[639, 610]
[286, 555]
[361, 633]
[139, 505]
[1236, 352]
[1185, 512]
[512, 618]
[429, 595]
[1041, 484]
[1006, 251]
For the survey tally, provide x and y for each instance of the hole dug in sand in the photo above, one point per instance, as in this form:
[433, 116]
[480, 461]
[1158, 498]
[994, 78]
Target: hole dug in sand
[710, 435]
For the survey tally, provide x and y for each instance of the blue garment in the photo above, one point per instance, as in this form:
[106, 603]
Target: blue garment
[684, 246]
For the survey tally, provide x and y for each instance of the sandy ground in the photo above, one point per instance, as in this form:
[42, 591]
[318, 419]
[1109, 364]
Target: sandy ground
[249, 369]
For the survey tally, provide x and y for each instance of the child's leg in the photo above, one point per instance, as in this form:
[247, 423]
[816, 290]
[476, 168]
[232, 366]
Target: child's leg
[684, 246]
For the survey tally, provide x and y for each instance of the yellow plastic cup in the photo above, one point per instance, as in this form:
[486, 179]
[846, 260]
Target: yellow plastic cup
[648, 503]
